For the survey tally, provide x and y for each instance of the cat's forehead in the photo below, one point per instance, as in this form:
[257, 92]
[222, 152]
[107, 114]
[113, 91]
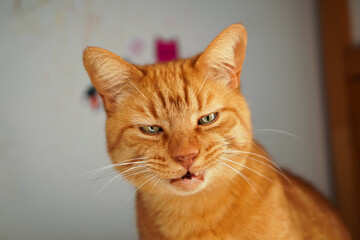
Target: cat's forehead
[171, 74]
[172, 81]
[172, 85]
[175, 91]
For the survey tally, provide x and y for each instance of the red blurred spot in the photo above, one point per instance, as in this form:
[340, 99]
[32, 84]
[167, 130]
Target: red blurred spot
[166, 50]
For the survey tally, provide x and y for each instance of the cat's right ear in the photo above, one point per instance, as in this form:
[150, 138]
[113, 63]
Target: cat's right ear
[223, 59]
[109, 74]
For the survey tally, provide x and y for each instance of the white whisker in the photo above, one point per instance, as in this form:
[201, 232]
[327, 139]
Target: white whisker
[93, 181]
[118, 175]
[243, 176]
[234, 152]
[203, 83]
[251, 153]
[112, 165]
[138, 189]
[229, 151]
[115, 165]
[138, 89]
[279, 131]
[276, 169]
[111, 180]
[157, 181]
[223, 140]
[260, 174]
[135, 173]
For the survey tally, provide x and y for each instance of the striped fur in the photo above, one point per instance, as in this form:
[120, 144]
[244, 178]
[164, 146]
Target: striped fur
[244, 195]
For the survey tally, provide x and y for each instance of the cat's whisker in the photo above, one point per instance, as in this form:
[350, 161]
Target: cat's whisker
[114, 171]
[254, 144]
[261, 156]
[128, 79]
[104, 175]
[251, 183]
[132, 159]
[138, 189]
[136, 173]
[226, 139]
[115, 165]
[110, 181]
[93, 181]
[257, 147]
[203, 83]
[134, 167]
[251, 153]
[244, 166]
[276, 169]
[243, 143]
[92, 171]
[157, 181]
[269, 130]
[236, 152]
[112, 165]
[123, 175]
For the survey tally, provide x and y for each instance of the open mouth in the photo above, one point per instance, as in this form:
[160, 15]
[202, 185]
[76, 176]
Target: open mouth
[190, 176]
[188, 182]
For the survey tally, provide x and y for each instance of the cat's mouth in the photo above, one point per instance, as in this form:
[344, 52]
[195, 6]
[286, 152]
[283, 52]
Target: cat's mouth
[188, 182]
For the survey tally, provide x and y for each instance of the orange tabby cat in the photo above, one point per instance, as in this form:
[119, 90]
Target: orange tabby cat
[181, 133]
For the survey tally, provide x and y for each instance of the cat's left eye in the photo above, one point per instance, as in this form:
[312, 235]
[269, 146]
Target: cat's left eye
[151, 129]
[208, 119]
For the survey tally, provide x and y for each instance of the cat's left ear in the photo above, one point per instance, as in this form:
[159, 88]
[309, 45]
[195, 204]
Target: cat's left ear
[110, 75]
[224, 57]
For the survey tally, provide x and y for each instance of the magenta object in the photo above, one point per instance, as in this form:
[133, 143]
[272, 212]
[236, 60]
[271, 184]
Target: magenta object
[166, 50]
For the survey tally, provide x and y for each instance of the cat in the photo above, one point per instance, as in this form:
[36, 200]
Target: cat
[181, 133]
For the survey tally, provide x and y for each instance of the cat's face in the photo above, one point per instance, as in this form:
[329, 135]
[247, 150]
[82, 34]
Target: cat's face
[169, 125]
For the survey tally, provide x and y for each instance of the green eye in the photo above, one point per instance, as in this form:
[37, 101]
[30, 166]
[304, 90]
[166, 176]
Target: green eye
[151, 129]
[207, 119]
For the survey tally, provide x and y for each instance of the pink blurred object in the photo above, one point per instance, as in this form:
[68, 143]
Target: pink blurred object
[166, 50]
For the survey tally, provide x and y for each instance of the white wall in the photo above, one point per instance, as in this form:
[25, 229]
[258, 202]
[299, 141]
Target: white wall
[49, 136]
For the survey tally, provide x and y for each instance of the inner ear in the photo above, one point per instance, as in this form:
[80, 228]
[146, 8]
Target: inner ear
[223, 59]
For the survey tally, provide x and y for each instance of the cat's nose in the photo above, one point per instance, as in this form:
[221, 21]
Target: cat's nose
[188, 159]
[185, 153]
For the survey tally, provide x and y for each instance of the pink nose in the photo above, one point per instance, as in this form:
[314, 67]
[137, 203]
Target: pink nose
[187, 160]
[184, 152]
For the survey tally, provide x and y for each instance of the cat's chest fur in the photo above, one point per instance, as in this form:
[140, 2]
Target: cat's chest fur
[229, 213]
[235, 213]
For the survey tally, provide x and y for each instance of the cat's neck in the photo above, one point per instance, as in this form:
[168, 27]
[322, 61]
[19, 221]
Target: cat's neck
[170, 213]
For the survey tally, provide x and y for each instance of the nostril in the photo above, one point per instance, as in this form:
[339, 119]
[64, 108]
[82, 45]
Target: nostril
[186, 160]
[188, 157]
[180, 158]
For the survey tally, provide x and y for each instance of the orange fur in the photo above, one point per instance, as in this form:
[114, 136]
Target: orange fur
[240, 193]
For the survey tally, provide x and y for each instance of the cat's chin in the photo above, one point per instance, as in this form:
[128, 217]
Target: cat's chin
[188, 184]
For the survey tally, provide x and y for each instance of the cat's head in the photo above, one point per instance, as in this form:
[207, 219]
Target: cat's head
[169, 124]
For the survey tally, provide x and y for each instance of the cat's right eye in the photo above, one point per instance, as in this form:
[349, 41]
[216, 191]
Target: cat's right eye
[151, 129]
[208, 119]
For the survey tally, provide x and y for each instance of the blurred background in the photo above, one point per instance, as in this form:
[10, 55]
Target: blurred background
[300, 77]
